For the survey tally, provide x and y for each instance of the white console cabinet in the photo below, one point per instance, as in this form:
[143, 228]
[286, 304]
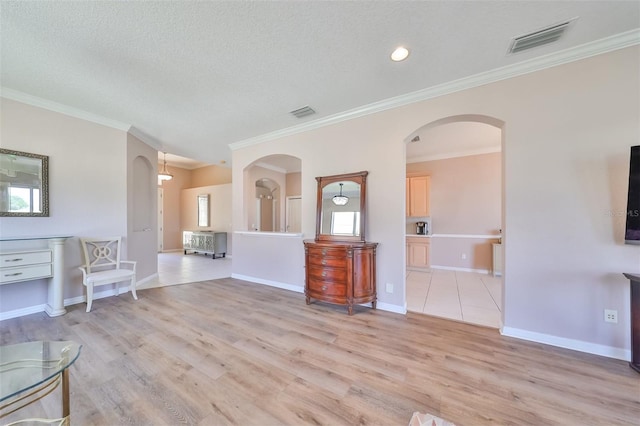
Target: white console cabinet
[208, 242]
[25, 265]
[32, 258]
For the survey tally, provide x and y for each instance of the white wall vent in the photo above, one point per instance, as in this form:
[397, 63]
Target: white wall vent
[303, 112]
[540, 37]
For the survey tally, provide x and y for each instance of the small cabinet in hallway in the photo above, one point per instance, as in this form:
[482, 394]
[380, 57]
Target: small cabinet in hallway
[418, 252]
[418, 196]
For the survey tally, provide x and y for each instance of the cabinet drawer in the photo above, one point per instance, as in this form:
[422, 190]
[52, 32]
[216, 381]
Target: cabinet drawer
[327, 288]
[11, 260]
[326, 251]
[9, 275]
[325, 273]
[335, 262]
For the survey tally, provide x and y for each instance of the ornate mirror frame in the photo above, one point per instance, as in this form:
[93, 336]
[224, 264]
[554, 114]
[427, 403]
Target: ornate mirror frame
[203, 210]
[359, 178]
[9, 176]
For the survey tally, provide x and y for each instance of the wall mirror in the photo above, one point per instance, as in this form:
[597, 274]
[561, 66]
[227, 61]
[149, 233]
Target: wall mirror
[24, 184]
[203, 210]
[341, 207]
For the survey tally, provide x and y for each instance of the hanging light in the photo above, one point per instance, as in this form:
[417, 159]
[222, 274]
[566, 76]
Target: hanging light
[340, 200]
[164, 174]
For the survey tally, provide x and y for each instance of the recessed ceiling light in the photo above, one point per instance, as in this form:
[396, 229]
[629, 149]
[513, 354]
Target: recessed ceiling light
[400, 54]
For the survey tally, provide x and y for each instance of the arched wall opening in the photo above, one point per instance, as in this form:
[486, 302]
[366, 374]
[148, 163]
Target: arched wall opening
[462, 156]
[268, 184]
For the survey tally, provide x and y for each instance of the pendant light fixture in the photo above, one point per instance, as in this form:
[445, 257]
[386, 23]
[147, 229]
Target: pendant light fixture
[340, 200]
[164, 174]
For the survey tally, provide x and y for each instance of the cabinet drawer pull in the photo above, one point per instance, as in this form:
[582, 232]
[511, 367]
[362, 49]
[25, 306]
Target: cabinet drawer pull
[324, 273]
[324, 252]
[17, 259]
[324, 288]
[324, 262]
[15, 274]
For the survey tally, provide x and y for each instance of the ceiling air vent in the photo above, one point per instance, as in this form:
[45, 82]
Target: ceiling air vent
[303, 112]
[540, 37]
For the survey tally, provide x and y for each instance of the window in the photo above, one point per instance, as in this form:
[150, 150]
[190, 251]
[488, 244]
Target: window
[345, 223]
[24, 199]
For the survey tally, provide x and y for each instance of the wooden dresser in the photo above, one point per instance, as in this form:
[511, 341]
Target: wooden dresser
[341, 272]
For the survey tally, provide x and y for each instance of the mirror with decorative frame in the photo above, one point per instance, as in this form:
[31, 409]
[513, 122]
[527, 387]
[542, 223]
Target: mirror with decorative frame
[341, 207]
[203, 210]
[24, 184]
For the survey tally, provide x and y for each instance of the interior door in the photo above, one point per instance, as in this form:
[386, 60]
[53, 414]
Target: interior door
[294, 214]
[160, 219]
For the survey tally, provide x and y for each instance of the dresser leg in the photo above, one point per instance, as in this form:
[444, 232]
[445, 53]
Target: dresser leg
[350, 309]
[373, 304]
[308, 300]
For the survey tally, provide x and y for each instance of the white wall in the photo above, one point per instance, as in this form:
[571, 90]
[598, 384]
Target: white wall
[142, 206]
[87, 190]
[567, 136]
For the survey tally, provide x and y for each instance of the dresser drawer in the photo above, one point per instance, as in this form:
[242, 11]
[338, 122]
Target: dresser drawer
[318, 251]
[326, 288]
[325, 273]
[22, 273]
[11, 260]
[334, 262]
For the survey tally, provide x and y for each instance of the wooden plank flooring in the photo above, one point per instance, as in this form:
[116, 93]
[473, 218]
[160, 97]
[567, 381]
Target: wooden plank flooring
[231, 352]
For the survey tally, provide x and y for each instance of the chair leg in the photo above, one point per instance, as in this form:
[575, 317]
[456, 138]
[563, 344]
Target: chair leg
[89, 296]
[133, 288]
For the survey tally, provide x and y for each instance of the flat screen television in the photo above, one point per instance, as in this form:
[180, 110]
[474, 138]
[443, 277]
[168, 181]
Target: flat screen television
[632, 231]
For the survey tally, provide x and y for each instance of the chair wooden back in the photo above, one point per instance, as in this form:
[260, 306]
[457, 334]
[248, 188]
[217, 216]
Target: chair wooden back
[101, 253]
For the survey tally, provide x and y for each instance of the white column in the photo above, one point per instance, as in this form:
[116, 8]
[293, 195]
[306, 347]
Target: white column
[55, 304]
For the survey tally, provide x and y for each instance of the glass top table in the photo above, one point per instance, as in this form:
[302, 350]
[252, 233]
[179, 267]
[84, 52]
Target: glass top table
[30, 371]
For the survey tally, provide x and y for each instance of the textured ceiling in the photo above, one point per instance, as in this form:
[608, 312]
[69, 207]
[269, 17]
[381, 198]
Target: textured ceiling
[193, 77]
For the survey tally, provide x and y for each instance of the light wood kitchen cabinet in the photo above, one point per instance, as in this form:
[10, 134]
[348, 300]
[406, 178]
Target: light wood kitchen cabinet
[418, 249]
[418, 188]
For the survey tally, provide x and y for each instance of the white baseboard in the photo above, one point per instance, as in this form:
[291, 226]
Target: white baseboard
[67, 302]
[391, 308]
[22, 312]
[270, 283]
[562, 342]
[455, 268]
[379, 305]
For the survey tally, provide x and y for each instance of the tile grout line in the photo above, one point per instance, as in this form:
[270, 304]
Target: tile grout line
[459, 299]
[491, 295]
[424, 304]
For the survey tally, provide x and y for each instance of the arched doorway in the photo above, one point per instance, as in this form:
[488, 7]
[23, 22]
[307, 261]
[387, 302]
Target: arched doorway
[451, 272]
[270, 184]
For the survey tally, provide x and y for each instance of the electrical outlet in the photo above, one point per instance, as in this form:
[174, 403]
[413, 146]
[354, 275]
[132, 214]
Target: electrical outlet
[611, 315]
[463, 256]
[389, 287]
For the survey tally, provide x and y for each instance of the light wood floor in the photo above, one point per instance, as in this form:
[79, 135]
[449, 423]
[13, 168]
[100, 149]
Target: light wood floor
[231, 352]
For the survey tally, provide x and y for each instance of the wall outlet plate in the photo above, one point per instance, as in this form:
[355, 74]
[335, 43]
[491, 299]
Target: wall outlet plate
[389, 288]
[611, 315]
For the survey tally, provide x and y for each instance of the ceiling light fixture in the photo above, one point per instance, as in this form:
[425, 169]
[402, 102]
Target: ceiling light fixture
[164, 174]
[400, 54]
[340, 200]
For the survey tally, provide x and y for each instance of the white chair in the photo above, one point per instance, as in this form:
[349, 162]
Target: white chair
[102, 265]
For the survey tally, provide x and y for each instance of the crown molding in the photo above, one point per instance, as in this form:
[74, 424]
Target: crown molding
[587, 50]
[149, 140]
[25, 98]
[480, 151]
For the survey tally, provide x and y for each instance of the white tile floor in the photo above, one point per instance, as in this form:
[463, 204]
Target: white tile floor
[463, 296]
[178, 268]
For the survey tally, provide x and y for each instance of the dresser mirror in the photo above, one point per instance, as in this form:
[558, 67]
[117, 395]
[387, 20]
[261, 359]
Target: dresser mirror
[24, 184]
[341, 212]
